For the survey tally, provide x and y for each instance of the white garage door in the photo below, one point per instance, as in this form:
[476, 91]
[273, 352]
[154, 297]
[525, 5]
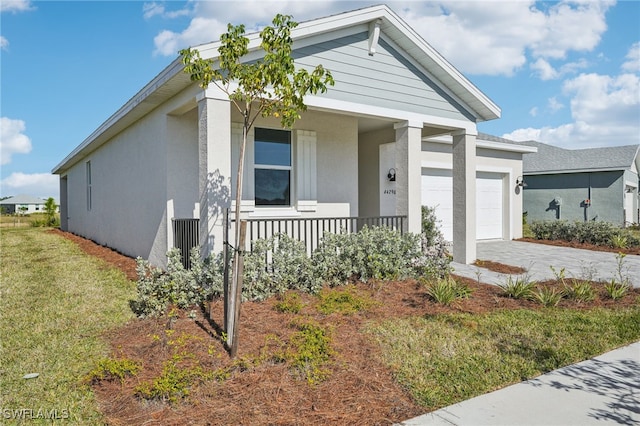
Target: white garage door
[489, 211]
[437, 191]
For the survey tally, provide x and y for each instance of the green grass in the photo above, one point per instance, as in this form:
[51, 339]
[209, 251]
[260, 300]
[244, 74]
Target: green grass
[55, 303]
[445, 359]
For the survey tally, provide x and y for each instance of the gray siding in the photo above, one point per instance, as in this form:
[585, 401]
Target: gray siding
[385, 80]
[604, 189]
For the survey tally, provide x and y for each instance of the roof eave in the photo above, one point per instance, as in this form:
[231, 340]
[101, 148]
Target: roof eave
[564, 171]
[118, 120]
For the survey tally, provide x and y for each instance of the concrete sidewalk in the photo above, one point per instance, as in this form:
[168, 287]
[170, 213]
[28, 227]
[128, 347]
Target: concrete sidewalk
[603, 390]
[537, 259]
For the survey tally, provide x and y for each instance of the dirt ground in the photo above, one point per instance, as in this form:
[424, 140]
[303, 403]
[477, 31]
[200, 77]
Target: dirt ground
[260, 390]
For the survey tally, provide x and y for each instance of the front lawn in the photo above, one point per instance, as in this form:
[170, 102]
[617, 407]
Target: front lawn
[374, 353]
[56, 303]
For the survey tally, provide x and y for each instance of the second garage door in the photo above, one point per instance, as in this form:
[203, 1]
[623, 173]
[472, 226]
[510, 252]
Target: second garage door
[437, 191]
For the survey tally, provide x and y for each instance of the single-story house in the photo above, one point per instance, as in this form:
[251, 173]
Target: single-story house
[22, 204]
[398, 128]
[582, 184]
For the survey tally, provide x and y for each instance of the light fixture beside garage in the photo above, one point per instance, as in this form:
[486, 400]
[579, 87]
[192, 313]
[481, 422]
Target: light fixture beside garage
[520, 182]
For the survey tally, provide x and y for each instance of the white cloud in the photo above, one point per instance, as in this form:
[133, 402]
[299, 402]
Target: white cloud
[604, 110]
[16, 6]
[211, 19]
[477, 37]
[533, 111]
[571, 25]
[42, 185]
[545, 71]
[12, 139]
[4, 43]
[633, 59]
[157, 9]
[554, 105]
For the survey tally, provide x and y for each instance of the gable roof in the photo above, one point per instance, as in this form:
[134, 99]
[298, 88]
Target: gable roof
[23, 199]
[172, 79]
[552, 159]
[402, 35]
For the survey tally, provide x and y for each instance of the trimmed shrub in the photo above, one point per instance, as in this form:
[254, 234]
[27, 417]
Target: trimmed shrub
[158, 289]
[275, 265]
[280, 263]
[591, 232]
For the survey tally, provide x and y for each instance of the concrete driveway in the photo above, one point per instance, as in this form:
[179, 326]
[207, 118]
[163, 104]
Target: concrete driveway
[537, 259]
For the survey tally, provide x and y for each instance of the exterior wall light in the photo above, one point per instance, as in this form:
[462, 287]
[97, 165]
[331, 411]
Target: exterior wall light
[520, 182]
[391, 175]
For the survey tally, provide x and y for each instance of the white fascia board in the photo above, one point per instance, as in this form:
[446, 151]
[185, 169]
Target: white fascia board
[308, 28]
[496, 146]
[558, 172]
[501, 146]
[363, 110]
[165, 75]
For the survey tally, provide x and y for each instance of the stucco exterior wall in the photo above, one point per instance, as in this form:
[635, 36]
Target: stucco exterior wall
[368, 169]
[128, 191]
[132, 178]
[604, 189]
[336, 165]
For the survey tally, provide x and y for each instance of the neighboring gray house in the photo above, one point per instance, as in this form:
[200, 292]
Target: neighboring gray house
[398, 108]
[25, 204]
[582, 184]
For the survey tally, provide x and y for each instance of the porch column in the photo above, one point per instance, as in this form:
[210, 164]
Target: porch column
[409, 174]
[214, 167]
[464, 197]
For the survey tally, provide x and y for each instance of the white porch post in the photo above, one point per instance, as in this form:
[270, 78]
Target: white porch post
[464, 198]
[214, 165]
[409, 174]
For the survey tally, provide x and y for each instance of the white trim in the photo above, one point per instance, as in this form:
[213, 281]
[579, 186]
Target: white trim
[479, 167]
[357, 109]
[245, 205]
[501, 146]
[269, 212]
[307, 205]
[480, 143]
[557, 172]
[170, 216]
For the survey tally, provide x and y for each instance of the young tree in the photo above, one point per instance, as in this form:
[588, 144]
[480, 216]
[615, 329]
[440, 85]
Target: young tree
[50, 208]
[271, 86]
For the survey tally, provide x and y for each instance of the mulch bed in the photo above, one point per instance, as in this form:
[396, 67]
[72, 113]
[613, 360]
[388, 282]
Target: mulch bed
[499, 267]
[124, 263]
[359, 390]
[584, 246]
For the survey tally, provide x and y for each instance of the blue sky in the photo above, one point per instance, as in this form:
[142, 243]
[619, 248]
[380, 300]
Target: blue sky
[564, 73]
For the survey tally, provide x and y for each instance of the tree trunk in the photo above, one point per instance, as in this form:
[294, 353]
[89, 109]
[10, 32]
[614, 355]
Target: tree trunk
[233, 350]
[235, 291]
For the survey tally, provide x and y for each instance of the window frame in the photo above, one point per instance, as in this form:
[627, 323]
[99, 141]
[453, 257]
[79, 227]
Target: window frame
[265, 166]
[89, 186]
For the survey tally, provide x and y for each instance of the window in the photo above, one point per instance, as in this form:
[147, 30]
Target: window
[88, 185]
[272, 150]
